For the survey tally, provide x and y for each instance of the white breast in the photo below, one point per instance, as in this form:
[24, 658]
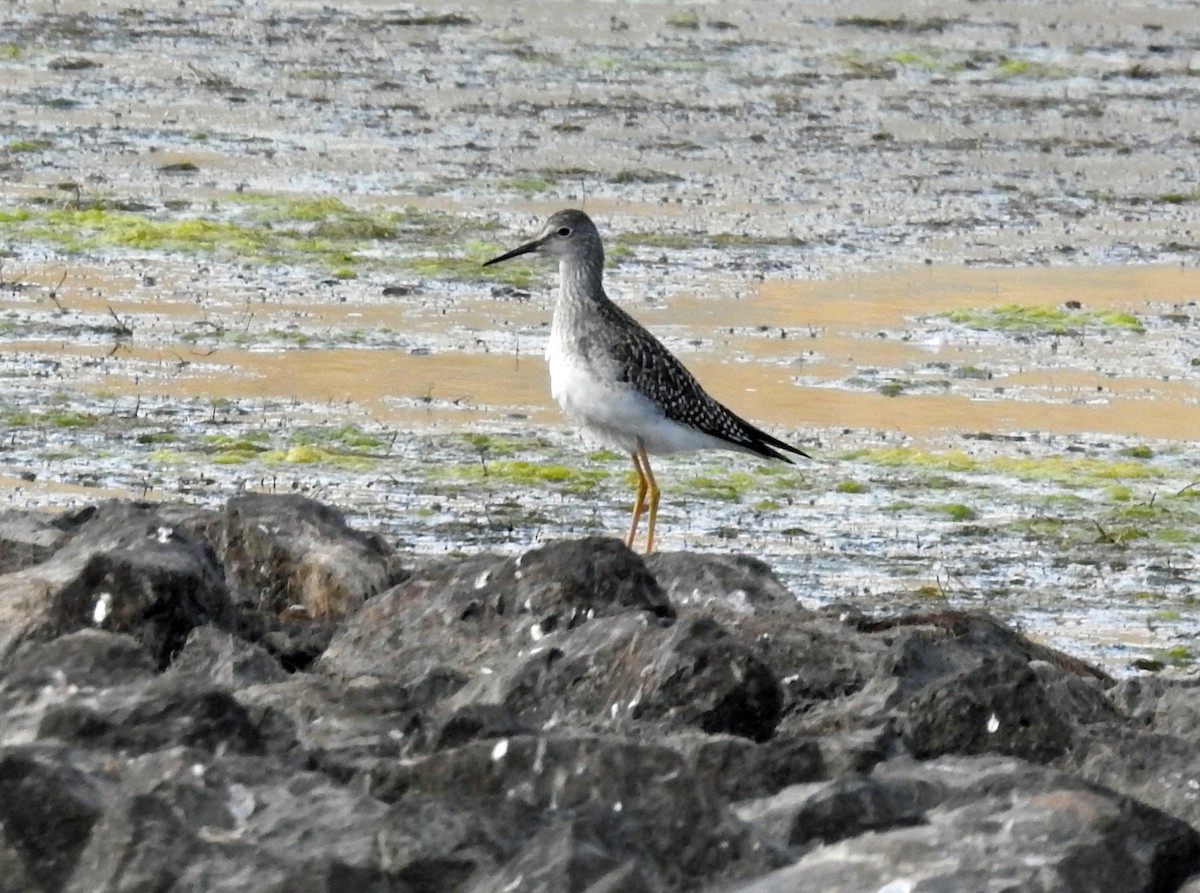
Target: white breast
[614, 412]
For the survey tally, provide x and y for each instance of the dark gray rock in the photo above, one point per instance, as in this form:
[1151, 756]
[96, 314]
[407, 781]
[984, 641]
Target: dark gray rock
[704, 677]
[1081, 697]
[453, 619]
[225, 660]
[87, 658]
[1158, 769]
[191, 821]
[169, 711]
[857, 750]
[802, 815]
[121, 567]
[576, 718]
[45, 675]
[28, 538]
[642, 797]
[634, 668]
[47, 814]
[997, 706]
[572, 856]
[1023, 828]
[475, 722]
[740, 768]
[578, 675]
[340, 728]
[725, 585]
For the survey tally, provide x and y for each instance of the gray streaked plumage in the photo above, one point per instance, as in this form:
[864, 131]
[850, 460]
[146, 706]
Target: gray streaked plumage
[615, 379]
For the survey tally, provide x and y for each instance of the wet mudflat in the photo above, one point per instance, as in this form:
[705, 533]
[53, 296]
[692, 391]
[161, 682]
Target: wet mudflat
[952, 253]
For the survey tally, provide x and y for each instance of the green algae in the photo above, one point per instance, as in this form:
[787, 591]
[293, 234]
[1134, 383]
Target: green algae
[1036, 319]
[931, 60]
[605, 455]
[686, 19]
[525, 184]
[1058, 468]
[1008, 67]
[337, 446]
[306, 454]
[1176, 656]
[55, 417]
[29, 145]
[1072, 470]
[642, 175]
[322, 231]
[490, 445]
[563, 478]
[956, 511]
[1141, 451]
[727, 486]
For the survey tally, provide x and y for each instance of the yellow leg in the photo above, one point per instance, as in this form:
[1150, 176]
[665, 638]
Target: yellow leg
[639, 501]
[654, 494]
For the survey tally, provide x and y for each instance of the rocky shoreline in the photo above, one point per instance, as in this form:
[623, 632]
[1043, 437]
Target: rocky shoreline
[261, 696]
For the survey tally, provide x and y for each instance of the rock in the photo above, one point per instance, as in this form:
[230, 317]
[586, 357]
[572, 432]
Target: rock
[640, 800]
[997, 706]
[704, 677]
[169, 711]
[572, 856]
[340, 729]
[820, 660]
[29, 538]
[550, 721]
[1083, 698]
[834, 810]
[1158, 769]
[120, 567]
[225, 660]
[632, 667]
[47, 814]
[191, 821]
[1068, 835]
[736, 585]
[285, 551]
[938, 679]
[86, 658]
[474, 722]
[43, 675]
[739, 768]
[579, 675]
[464, 614]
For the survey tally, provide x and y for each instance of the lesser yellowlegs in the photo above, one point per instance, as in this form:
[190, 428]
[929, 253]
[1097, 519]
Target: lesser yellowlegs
[617, 381]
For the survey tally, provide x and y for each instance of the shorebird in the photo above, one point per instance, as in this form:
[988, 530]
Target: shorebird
[617, 381]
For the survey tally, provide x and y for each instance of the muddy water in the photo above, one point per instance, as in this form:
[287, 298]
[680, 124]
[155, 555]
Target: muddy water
[797, 196]
[789, 353]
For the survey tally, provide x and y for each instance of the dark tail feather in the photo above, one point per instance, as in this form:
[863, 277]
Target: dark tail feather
[760, 442]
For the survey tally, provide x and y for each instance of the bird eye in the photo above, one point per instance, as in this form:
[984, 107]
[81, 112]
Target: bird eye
[564, 230]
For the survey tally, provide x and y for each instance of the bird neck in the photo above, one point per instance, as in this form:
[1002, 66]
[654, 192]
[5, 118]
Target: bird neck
[582, 281]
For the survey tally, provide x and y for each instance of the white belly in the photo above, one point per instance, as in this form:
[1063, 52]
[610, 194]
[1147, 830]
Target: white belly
[616, 414]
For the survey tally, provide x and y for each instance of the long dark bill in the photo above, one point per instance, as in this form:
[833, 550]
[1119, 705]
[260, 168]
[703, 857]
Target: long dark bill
[516, 252]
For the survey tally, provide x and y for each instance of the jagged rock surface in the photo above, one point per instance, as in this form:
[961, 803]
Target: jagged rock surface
[197, 700]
